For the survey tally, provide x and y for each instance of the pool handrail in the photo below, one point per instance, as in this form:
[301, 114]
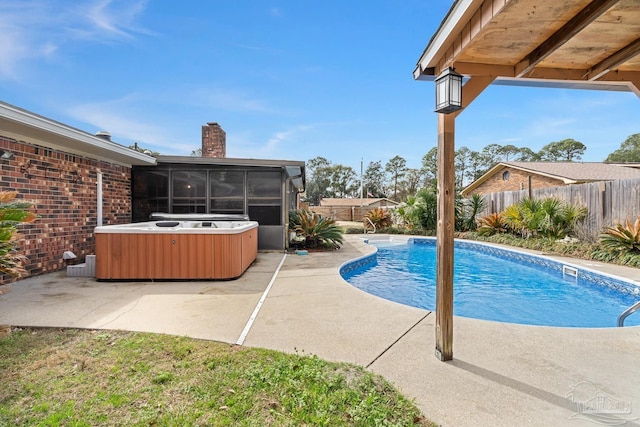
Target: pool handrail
[635, 307]
[372, 224]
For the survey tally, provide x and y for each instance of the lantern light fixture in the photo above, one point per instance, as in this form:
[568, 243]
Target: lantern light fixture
[448, 91]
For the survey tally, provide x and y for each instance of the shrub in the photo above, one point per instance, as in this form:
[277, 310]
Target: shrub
[318, 231]
[622, 238]
[548, 217]
[491, 224]
[468, 211]
[380, 218]
[12, 213]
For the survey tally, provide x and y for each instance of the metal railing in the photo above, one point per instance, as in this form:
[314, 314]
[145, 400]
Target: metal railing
[372, 224]
[635, 307]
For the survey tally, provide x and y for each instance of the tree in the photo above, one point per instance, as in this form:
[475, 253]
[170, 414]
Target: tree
[396, 167]
[411, 182]
[318, 179]
[508, 151]
[477, 165]
[343, 181]
[374, 179]
[527, 155]
[566, 150]
[492, 155]
[629, 151]
[462, 165]
[430, 164]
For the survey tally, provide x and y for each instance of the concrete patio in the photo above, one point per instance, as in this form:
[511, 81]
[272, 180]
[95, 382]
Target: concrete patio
[502, 374]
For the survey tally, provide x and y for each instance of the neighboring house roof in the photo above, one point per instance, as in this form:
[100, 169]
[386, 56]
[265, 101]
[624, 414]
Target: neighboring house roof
[294, 169]
[24, 125]
[567, 172]
[355, 202]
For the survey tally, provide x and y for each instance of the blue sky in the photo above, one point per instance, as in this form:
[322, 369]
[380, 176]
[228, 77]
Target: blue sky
[285, 79]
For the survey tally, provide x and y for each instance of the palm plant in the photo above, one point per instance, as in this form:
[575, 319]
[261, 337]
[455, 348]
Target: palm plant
[405, 212]
[419, 211]
[622, 238]
[514, 220]
[468, 212]
[12, 213]
[317, 230]
[560, 218]
[427, 213]
[380, 218]
[491, 224]
[549, 217]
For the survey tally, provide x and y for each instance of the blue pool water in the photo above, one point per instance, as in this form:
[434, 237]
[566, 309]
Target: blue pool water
[494, 284]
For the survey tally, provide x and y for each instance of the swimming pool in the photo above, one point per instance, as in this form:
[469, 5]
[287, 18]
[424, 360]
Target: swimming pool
[495, 284]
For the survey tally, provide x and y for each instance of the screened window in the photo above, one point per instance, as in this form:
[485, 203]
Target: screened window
[264, 197]
[150, 191]
[189, 191]
[226, 191]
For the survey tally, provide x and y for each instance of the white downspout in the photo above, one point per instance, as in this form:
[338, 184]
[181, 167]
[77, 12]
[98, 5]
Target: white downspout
[99, 198]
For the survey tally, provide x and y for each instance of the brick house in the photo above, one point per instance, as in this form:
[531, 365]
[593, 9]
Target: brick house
[513, 176]
[58, 168]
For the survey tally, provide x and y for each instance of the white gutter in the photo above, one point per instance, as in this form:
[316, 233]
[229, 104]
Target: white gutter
[99, 199]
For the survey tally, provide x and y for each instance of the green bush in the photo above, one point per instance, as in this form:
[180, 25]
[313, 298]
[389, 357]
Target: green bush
[491, 224]
[380, 218]
[467, 212]
[549, 217]
[316, 230]
[622, 238]
[620, 244]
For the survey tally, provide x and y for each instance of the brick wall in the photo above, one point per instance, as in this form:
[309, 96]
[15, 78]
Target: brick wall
[63, 189]
[214, 141]
[518, 180]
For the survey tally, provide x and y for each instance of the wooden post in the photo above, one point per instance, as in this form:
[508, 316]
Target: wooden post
[446, 224]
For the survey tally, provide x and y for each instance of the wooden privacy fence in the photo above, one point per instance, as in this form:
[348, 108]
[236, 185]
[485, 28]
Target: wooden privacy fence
[606, 201]
[343, 213]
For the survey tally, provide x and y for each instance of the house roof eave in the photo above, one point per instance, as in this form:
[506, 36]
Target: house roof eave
[21, 124]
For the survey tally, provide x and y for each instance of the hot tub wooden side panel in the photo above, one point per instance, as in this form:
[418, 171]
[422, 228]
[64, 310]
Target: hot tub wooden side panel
[174, 256]
[249, 248]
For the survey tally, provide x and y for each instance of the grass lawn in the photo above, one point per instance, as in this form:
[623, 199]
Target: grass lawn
[54, 377]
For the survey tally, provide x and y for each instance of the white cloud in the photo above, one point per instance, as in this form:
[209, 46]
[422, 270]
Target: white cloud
[116, 17]
[119, 117]
[37, 29]
[246, 146]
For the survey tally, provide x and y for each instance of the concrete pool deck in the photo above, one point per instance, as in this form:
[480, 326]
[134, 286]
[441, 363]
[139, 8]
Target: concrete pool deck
[502, 374]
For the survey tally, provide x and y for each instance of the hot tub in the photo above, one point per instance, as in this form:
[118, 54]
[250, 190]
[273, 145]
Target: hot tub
[176, 249]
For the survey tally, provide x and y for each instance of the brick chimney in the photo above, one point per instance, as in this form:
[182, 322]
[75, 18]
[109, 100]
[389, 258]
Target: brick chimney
[214, 141]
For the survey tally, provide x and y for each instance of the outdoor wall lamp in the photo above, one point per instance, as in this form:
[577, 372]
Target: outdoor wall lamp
[448, 91]
[5, 155]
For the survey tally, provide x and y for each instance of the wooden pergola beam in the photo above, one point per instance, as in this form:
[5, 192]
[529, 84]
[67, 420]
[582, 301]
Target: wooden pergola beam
[590, 13]
[615, 60]
[479, 69]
